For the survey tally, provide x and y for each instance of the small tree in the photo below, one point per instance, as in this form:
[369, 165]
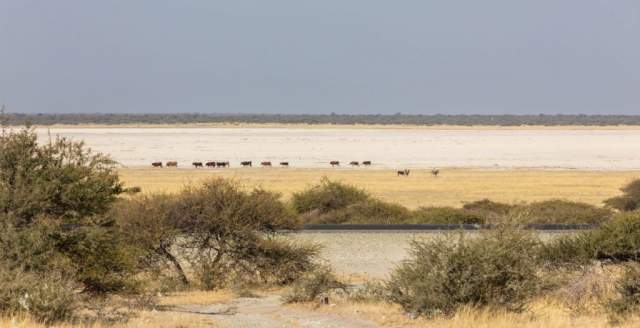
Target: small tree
[224, 227]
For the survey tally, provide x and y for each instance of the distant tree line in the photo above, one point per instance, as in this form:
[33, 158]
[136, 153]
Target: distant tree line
[438, 119]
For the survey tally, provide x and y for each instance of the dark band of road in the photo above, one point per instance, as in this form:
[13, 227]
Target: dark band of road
[437, 227]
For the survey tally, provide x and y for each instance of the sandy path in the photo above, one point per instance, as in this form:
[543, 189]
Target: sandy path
[269, 312]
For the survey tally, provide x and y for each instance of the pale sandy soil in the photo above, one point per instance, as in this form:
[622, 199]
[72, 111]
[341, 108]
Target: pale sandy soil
[452, 188]
[602, 149]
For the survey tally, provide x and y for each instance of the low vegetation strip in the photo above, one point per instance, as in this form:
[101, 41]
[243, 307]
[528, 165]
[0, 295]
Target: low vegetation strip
[439, 227]
[439, 119]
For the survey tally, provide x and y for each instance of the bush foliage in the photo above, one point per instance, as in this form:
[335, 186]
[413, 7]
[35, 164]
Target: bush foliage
[54, 222]
[629, 200]
[497, 268]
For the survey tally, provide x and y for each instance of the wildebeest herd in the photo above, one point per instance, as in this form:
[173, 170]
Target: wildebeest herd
[225, 164]
[214, 164]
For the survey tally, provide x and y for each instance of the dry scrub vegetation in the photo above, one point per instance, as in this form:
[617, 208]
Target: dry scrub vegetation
[78, 248]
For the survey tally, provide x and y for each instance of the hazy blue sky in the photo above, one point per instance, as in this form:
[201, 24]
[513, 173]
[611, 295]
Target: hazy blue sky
[322, 56]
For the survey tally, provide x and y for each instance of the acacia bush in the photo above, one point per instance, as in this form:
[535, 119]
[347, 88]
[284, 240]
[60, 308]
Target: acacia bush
[149, 224]
[370, 211]
[219, 231]
[446, 215]
[496, 269]
[561, 211]
[618, 240]
[628, 290]
[46, 298]
[54, 222]
[488, 209]
[327, 196]
[312, 284]
[629, 200]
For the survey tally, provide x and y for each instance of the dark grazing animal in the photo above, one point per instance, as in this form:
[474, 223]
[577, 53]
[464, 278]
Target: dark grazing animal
[156, 164]
[172, 163]
[404, 172]
[334, 163]
[284, 163]
[222, 164]
[366, 163]
[246, 163]
[435, 172]
[354, 163]
[211, 164]
[197, 164]
[265, 163]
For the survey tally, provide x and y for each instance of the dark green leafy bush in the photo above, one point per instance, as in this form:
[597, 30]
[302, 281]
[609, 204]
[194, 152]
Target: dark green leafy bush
[496, 269]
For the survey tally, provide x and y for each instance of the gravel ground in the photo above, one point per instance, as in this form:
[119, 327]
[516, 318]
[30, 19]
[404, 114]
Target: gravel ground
[370, 254]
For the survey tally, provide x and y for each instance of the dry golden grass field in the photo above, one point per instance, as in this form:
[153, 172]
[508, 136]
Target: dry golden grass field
[453, 187]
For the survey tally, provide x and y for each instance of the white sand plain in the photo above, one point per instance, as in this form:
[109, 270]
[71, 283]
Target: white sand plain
[601, 149]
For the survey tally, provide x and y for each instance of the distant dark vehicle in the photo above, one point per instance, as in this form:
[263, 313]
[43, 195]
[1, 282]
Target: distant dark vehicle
[334, 163]
[172, 163]
[265, 163]
[284, 163]
[197, 164]
[222, 164]
[246, 163]
[156, 164]
[404, 172]
[366, 163]
[354, 163]
[211, 164]
[435, 172]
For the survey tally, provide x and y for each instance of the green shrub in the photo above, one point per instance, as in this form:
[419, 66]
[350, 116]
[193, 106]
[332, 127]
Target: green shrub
[496, 269]
[446, 215]
[561, 211]
[629, 200]
[370, 211]
[572, 251]
[313, 284]
[370, 291]
[326, 197]
[618, 239]
[224, 227]
[148, 223]
[46, 298]
[489, 209]
[280, 261]
[628, 289]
